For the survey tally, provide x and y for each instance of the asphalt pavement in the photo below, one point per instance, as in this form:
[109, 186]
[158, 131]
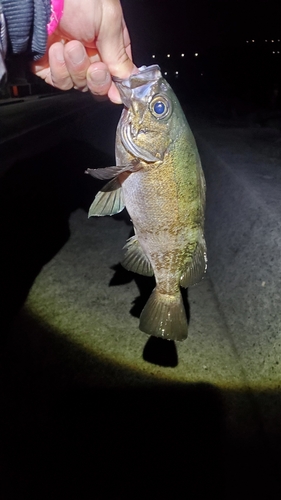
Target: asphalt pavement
[93, 407]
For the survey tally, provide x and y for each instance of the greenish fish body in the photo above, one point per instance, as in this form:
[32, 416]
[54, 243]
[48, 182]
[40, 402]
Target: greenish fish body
[159, 179]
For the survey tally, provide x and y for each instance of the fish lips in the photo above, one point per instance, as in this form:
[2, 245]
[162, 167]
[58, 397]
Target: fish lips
[138, 84]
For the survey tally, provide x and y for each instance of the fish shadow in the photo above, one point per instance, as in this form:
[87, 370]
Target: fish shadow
[37, 196]
[145, 284]
[161, 352]
[156, 351]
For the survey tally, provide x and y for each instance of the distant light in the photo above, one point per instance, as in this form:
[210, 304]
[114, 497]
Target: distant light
[182, 55]
[165, 73]
[176, 72]
[278, 52]
[253, 41]
[272, 41]
[153, 56]
[247, 41]
[196, 54]
[202, 74]
[265, 40]
[273, 52]
[168, 55]
[278, 40]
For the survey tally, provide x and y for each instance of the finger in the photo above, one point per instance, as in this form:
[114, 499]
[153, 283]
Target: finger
[126, 40]
[42, 73]
[59, 74]
[112, 41]
[114, 95]
[98, 78]
[77, 63]
[41, 67]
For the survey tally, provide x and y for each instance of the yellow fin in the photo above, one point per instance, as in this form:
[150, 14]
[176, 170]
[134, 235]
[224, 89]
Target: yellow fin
[135, 259]
[198, 266]
[164, 316]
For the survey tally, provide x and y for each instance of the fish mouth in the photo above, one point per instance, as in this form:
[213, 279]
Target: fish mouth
[136, 88]
[136, 85]
[136, 151]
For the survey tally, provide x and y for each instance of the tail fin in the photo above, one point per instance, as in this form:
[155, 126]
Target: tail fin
[164, 316]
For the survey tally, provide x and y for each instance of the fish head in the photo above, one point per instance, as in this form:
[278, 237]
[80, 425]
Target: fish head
[151, 119]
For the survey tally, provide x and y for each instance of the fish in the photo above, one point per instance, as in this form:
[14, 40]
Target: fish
[158, 177]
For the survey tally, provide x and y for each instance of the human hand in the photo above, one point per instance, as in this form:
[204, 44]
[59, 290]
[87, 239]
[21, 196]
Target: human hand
[90, 45]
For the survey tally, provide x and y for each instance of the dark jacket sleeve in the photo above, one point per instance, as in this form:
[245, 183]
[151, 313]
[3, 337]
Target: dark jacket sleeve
[26, 22]
[42, 14]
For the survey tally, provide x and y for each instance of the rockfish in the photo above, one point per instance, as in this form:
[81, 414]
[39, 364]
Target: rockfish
[159, 179]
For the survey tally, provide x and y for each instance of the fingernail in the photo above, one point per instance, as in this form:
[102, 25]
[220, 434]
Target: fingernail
[59, 55]
[99, 76]
[77, 54]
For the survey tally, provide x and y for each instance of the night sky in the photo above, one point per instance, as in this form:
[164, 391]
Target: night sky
[199, 24]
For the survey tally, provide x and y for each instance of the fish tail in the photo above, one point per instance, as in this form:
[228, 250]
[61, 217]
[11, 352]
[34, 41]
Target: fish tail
[164, 316]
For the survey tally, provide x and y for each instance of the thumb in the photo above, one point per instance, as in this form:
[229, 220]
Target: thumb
[114, 46]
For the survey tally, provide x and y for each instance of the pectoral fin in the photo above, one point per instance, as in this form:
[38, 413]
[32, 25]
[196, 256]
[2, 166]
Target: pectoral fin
[105, 173]
[107, 202]
[135, 259]
[110, 172]
[198, 266]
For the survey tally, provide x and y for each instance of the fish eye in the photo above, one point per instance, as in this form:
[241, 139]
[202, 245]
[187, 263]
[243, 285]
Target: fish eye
[160, 107]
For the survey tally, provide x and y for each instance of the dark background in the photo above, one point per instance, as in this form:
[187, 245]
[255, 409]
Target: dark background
[226, 65]
[239, 55]
[199, 25]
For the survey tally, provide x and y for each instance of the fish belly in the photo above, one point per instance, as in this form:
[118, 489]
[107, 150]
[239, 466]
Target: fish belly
[161, 218]
[163, 233]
